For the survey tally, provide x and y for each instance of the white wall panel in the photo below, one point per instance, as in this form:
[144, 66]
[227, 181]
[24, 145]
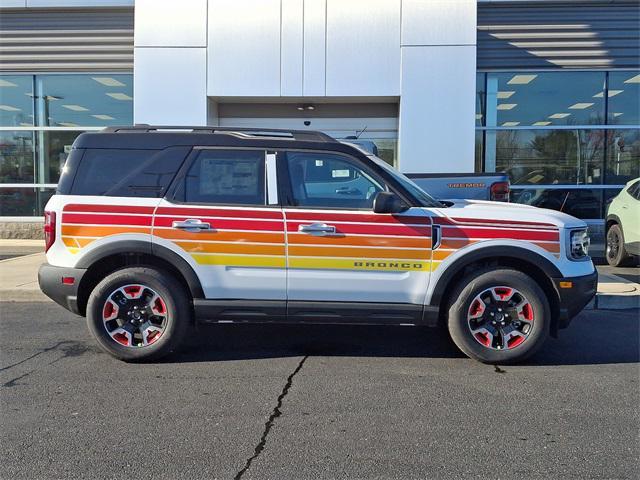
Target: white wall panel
[314, 68]
[363, 47]
[170, 23]
[78, 3]
[437, 109]
[170, 86]
[292, 44]
[244, 48]
[439, 22]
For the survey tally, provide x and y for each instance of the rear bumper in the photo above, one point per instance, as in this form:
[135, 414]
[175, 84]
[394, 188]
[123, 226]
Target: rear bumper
[50, 280]
[574, 298]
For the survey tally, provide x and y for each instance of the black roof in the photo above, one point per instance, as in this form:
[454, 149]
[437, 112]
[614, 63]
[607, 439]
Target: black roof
[158, 137]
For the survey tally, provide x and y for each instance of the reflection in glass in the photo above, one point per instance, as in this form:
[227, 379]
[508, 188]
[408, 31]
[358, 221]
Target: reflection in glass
[16, 100]
[480, 99]
[545, 99]
[624, 98]
[84, 100]
[623, 156]
[16, 157]
[579, 202]
[53, 150]
[550, 156]
[24, 202]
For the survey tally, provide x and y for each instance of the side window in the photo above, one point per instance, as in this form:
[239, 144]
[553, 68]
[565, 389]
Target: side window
[634, 190]
[234, 177]
[330, 180]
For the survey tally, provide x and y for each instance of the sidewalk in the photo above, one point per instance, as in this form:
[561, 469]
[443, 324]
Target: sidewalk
[19, 282]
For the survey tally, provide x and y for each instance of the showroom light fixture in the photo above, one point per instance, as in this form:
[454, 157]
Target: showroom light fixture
[617, 114]
[580, 105]
[510, 124]
[521, 79]
[506, 106]
[103, 117]
[119, 96]
[505, 95]
[68, 124]
[6, 83]
[109, 82]
[309, 107]
[76, 108]
[635, 79]
[612, 93]
[25, 124]
[559, 115]
[9, 108]
[541, 124]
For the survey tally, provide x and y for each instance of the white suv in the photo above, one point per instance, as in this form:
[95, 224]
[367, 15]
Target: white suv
[151, 230]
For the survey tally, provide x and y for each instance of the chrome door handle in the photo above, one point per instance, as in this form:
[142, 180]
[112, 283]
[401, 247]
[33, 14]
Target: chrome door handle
[192, 225]
[317, 229]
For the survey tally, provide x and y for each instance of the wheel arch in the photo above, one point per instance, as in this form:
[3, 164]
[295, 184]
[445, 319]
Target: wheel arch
[110, 257]
[536, 266]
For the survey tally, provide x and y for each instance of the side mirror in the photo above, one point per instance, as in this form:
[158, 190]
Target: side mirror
[387, 202]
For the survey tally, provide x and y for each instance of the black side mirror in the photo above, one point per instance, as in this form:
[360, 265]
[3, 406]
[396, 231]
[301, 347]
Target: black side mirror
[387, 202]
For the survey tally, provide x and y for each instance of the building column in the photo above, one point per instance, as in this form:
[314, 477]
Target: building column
[170, 62]
[437, 91]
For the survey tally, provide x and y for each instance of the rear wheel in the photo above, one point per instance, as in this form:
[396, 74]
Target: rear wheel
[616, 253]
[139, 314]
[499, 316]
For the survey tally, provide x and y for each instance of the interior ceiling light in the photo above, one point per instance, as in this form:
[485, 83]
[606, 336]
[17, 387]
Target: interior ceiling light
[6, 83]
[76, 108]
[506, 106]
[478, 116]
[25, 124]
[510, 124]
[9, 108]
[617, 114]
[119, 96]
[301, 108]
[521, 79]
[635, 79]
[504, 95]
[103, 117]
[580, 105]
[541, 124]
[612, 93]
[109, 82]
[67, 124]
[559, 115]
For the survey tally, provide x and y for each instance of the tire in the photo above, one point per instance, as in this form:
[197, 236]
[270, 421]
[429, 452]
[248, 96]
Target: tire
[615, 253]
[139, 314]
[484, 298]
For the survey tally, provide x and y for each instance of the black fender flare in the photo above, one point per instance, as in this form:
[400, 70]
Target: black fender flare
[491, 253]
[146, 248]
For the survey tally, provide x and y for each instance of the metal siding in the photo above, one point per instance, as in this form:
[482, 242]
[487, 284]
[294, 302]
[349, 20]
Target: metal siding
[558, 35]
[36, 40]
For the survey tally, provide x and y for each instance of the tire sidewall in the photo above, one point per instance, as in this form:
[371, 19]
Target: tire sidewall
[467, 292]
[621, 256]
[174, 296]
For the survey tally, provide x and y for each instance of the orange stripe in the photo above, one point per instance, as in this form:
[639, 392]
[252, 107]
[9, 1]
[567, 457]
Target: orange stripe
[359, 241]
[200, 247]
[358, 252]
[441, 254]
[455, 244]
[77, 230]
[550, 247]
[239, 237]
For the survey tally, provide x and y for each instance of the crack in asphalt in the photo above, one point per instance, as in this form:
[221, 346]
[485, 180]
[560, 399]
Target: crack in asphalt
[44, 350]
[269, 423]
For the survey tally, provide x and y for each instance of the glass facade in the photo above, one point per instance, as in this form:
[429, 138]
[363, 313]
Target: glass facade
[568, 140]
[40, 117]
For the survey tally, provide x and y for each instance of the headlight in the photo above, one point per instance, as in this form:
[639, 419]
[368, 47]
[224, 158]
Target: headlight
[578, 244]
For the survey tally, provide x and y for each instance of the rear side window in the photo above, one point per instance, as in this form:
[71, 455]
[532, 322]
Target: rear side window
[634, 190]
[226, 177]
[127, 173]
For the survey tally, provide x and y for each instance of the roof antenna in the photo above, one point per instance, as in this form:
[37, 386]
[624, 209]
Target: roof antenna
[357, 135]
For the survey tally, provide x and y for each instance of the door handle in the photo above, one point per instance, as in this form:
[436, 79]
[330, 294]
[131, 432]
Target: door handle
[317, 229]
[192, 225]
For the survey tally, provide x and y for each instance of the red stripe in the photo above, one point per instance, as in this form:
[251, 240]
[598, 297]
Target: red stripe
[75, 207]
[213, 212]
[371, 229]
[354, 217]
[105, 219]
[227, 224]
[467, 232]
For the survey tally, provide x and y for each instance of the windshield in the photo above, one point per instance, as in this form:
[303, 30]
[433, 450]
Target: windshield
[420, 195]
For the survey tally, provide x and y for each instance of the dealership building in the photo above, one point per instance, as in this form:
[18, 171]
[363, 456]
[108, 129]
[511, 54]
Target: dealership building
[546, 91]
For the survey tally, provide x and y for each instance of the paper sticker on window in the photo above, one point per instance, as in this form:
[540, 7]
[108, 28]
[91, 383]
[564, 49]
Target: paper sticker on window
[319, 163]
[340, 173]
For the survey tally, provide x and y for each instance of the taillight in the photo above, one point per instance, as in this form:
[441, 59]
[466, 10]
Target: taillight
[500, 192]
[49, 230]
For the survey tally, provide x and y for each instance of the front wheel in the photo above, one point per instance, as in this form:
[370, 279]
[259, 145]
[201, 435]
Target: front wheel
[616, 253]
[499, 316]
[139, 313]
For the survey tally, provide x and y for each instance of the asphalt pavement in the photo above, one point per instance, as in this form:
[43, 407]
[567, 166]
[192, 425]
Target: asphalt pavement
[316, 402]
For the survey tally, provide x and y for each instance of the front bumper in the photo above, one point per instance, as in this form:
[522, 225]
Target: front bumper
[50, 279]
[575, 297]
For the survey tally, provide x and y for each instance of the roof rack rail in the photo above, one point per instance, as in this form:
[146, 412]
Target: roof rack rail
[304, 135]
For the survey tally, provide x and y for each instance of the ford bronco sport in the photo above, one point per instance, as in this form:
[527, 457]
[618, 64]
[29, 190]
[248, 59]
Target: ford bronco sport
[155, 228]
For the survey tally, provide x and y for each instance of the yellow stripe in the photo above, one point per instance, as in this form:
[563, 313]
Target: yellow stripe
[240, 260]
[392, 265]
